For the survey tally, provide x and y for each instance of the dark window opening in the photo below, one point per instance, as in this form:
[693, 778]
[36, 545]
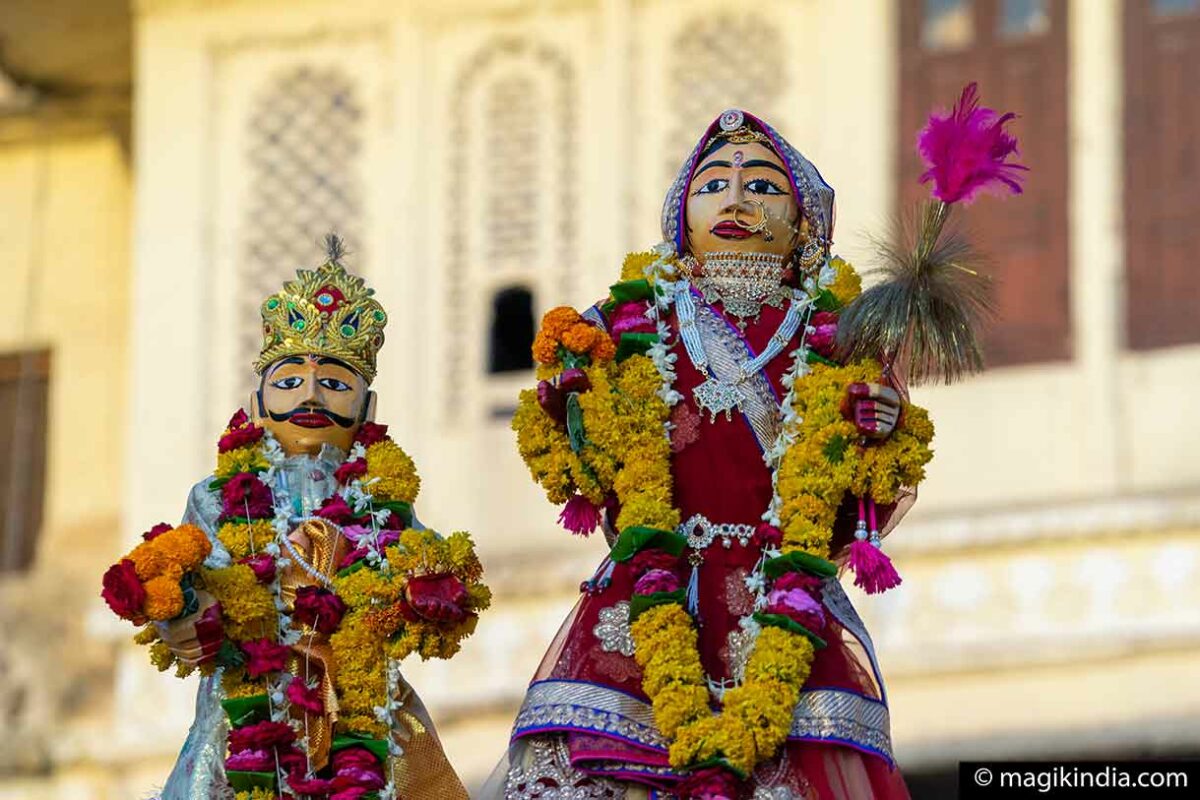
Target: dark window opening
[24, 405]
[511, 341]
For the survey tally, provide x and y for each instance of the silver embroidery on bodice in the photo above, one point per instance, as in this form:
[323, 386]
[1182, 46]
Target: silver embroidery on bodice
[726, 353]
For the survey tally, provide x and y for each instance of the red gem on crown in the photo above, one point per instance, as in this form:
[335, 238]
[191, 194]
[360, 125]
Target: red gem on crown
[328, 299]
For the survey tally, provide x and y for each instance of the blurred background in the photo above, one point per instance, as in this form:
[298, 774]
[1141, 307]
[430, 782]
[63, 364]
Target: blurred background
[165, 164]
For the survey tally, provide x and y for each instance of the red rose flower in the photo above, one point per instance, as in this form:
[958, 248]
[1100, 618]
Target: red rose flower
[239, 438]
[251, 761]
[438, 598]
[123, 591]
[210, 632]
[262, 565]
[656, 580]
[574, 381]
[552, 401]
[265, 655]
[336, 510]
[355, 756]
[768, 536]
[244, 495]
[238, 419]
[314, 786]
[353, 556]
[319, 608]
[356, 768]
[352, 793]
[631, 318]
[798, 580]
[797, 605]
[357, 778]
[651, 559]
[307, 697]
[823, 336]
[156, 531]
[713, 783]
[292, 761]
[350, 470]
[370, 433]
[261, 736]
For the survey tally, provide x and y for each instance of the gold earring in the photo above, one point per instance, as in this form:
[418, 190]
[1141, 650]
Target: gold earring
[809, 254]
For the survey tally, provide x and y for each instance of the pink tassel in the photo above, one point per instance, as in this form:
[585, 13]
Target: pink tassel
[579, 516]
[873, 570]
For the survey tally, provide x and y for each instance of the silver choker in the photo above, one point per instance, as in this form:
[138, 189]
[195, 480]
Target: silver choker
[742, 282]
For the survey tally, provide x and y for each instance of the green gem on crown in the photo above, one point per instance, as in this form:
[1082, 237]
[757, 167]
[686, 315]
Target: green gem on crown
[273, 304]
[298, 324]
[348, 331]
[379, 316]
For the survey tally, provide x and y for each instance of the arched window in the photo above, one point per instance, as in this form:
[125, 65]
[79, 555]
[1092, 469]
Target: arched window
[512, 141]
[304, 143]
[511, 331]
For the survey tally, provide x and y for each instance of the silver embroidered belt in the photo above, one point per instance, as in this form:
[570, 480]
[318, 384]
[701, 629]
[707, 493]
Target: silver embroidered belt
[701, 532]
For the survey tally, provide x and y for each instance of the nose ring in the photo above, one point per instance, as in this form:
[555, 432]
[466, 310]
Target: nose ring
[757, 227]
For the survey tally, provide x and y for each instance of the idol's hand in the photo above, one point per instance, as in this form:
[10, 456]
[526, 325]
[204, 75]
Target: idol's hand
[874, 408]
[180, 634]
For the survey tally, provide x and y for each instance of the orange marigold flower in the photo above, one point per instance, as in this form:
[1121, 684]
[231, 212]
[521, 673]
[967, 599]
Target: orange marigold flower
[557, 320]
[149, 560]
[545, 349]
[603, 349]
[164, 598]
[580, 337]
[186, 546]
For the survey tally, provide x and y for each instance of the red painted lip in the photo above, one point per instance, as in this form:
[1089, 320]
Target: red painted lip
[730, 230]
[311, 420]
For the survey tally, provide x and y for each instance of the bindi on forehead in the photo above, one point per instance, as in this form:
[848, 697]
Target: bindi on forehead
[738, 157]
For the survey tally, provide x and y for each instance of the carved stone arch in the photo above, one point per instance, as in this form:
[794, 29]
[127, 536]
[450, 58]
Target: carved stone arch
[514, 211]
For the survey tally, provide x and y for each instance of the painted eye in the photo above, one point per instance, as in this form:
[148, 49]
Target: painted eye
[715, 186]
[334, 384]
[290, 382]
[763, 186]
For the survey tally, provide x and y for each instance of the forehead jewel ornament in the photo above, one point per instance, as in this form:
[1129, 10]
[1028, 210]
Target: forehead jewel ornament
[733, 129]
[324, 311]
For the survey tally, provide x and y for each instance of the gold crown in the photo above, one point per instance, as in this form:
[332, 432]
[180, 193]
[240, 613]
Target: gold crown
[326, 311]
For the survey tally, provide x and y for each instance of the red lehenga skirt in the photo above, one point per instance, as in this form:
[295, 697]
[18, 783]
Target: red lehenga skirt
[586, 728]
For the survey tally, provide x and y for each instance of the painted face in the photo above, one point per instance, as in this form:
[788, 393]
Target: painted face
[740, 200]
[308, 401]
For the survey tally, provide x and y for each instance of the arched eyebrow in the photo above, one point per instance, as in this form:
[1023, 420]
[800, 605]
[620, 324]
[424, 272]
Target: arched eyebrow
[335, 361]
[756, 162]
[710, 165]
[283, 362]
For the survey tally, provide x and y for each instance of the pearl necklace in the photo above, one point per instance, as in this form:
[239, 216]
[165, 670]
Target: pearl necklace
[719, 396]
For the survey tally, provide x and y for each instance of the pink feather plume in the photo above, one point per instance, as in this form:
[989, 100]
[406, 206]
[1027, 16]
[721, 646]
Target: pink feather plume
[966, 151]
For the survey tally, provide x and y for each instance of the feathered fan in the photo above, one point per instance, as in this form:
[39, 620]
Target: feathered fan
[926, 312]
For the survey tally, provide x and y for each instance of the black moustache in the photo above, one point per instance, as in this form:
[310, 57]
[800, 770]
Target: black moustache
[345, 422]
